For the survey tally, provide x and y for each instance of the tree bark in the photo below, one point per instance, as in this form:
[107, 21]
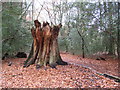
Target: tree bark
[118, 36]
[83, 51]
[111, 41]
[45, 48]
[83, 44]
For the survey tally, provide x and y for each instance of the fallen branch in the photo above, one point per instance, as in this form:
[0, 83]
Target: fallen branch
[115, 78]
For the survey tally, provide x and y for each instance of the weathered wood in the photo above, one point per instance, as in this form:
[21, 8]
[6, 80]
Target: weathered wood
[45, 48]
[117, 79]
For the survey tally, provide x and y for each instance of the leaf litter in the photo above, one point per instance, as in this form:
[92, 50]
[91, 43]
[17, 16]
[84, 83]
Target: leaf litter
[69, 76]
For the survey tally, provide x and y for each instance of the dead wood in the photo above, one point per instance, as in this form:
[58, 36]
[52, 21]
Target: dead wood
[45, 48]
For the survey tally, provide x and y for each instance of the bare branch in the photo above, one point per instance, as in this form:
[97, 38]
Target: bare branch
[48, 11]
[25, 11]
[40, 11]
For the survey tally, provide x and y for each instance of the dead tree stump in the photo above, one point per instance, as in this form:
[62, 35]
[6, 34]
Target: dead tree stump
[44, 48]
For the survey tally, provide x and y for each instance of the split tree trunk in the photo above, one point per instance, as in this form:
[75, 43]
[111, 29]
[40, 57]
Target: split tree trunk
[45, 48]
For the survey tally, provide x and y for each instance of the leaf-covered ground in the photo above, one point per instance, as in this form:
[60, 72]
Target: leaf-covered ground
[109, 65]
[69, 76]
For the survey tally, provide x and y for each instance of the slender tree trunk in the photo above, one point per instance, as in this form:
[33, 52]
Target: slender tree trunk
[111, 45]
[111, 41]
[83, 53]
[118, 36]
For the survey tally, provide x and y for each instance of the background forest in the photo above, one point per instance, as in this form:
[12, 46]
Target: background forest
[88, 27]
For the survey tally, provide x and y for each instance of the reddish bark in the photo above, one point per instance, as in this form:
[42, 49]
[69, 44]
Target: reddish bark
[45, 46]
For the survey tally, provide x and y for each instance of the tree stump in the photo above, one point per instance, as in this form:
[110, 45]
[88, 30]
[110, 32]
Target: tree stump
[44, 48]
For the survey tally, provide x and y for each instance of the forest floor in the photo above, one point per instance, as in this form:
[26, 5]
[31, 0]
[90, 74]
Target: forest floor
[80, 73]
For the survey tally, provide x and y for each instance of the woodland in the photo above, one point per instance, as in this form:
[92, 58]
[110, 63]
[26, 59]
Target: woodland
[60, 44]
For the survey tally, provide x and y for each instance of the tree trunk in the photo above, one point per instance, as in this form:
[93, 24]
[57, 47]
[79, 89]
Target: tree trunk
[83, 44]
[45, 48]
[83, 53]
[111, 41]
[118, 36]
